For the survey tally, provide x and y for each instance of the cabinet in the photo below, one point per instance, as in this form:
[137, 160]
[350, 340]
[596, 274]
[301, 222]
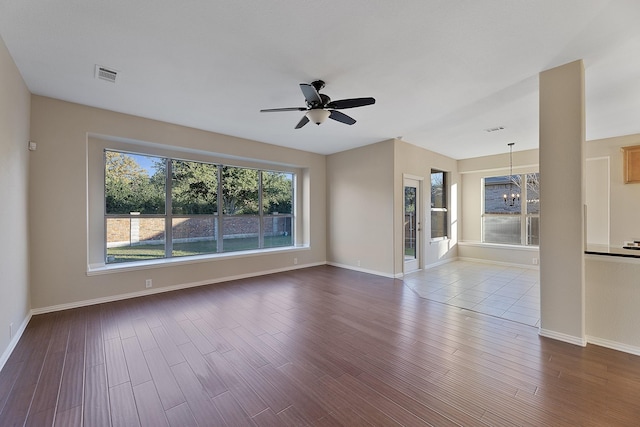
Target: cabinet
[631, 160]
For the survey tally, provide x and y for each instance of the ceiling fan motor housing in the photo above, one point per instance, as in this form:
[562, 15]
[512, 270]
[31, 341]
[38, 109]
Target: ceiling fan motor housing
[318, 85]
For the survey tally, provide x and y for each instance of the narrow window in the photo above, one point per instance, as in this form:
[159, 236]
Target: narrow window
[533, 208]
[277, 205]
[241, 221]
[439, 217]
[194, 208]
[135, 207]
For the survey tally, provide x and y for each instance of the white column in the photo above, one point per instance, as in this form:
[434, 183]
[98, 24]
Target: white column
[134, 229]
[562, 195]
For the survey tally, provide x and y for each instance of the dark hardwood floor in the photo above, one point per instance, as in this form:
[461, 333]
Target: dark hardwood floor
[320, 346]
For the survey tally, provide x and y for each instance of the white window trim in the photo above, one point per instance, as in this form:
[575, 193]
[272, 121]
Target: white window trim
[96, 144]
[445, 209]
[99, 269]
[523, 215]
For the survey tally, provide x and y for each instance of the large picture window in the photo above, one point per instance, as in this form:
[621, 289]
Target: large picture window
[512, 219]
[157, 207]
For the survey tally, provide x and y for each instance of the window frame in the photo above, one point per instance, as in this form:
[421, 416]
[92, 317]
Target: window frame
[444, 209]
[525, 218]
[96, 210]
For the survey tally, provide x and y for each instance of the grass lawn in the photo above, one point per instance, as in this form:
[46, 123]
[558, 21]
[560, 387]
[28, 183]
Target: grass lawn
[145, 252]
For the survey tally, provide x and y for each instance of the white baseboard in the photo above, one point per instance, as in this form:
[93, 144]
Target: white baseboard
[542, 332]
[152, 291]
[582, 342]
[14, 341]
[16, 337]
[365, 270]
[614, 345]
[442, 262]
[505, 264]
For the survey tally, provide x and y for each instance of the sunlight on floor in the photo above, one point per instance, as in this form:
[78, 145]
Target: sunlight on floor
[507, 292]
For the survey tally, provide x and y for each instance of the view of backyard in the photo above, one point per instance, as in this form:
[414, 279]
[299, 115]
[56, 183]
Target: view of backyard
[141, 252]
[201, 203]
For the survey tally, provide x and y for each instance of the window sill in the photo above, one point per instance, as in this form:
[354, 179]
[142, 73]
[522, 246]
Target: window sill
[529, 248]
[98, 269]
[438, 239]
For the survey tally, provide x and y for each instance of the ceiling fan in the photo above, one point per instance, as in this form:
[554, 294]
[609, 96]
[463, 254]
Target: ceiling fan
[320, 106]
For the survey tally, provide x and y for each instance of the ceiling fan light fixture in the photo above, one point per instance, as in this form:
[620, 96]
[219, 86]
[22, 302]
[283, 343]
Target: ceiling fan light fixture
[318, 115]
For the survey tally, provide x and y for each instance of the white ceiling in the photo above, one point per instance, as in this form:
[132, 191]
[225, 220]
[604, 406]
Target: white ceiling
[441, 71]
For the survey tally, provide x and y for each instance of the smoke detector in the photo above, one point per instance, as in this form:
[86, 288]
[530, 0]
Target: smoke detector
[107, 74]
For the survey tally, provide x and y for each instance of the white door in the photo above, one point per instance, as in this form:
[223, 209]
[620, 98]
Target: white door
[412, 225]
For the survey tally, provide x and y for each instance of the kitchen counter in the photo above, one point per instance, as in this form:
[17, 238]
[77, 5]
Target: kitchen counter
[613, 251]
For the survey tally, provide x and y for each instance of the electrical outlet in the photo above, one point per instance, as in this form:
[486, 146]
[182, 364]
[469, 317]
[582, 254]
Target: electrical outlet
[148, 283]
[10, 330]
[358, 263]
[535, 261]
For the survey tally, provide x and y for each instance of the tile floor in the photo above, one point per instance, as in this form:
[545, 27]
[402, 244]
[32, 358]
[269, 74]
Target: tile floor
[507, 292]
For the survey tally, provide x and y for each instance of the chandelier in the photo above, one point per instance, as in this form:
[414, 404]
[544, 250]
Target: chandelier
[512, 198]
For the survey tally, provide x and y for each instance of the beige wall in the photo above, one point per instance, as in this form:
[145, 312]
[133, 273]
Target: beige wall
[14, 176]
[612, 301]
[360, 208]
[59, 202]
[418, 162]
[611, 284]
[472, 172]
[562, 160]
[622, 202]
[365, 206]
[624, 223]
[612, 297]
[358, 224]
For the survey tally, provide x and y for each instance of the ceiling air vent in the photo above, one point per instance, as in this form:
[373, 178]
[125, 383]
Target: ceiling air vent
[106, 74]
[495, 129]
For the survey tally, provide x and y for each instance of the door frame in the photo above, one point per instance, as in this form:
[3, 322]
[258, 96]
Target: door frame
[418, 183]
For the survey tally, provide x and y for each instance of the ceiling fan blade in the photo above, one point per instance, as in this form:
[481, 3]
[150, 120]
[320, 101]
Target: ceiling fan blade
[310, 94]
[341, 117]
[303, 121]
[341, 104]
[272, 110]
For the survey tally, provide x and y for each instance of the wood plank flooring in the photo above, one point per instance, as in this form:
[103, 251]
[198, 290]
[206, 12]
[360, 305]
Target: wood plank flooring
[321, 346]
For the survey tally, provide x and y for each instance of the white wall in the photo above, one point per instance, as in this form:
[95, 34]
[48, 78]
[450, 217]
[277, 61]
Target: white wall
[58, 205]
[14, 176]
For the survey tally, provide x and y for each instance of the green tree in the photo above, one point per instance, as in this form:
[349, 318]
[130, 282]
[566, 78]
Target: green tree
[129, 188]
[194, 188]
[277, 192]
[239, 190]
